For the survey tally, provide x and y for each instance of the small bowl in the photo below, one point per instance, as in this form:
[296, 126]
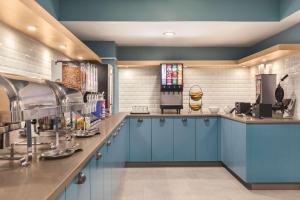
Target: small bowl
[213, 109]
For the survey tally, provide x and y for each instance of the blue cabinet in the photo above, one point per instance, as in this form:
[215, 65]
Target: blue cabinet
[233, 145]
[207, 139]
[62, 196]
[162, 139]
[226, 141]
[140, 139]
[273, 153]
[97, 175]
[238, 149]
[108, 164]
[125, 139]
[79, 189]
[184, 139]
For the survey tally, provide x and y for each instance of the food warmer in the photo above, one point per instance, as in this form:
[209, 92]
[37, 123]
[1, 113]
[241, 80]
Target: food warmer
[24, 99]
[67, 98]
[71, 101]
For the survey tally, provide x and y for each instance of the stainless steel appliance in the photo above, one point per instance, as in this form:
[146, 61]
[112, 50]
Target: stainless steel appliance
[265, 88]
[24, 99]
[265, 98]
[171, 87]
[171, 100]
[69, 101]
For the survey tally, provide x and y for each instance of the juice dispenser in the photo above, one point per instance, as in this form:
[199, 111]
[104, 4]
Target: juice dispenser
[171, 87]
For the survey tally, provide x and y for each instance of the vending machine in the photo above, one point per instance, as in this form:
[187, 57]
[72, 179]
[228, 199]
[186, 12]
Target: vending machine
[171, 87]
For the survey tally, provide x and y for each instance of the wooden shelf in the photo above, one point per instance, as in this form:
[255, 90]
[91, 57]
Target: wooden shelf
[189, 63]
[270, 54]
[265, 56]
[22, 13]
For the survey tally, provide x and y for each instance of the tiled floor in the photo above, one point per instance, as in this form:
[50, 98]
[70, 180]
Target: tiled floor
[204, 183]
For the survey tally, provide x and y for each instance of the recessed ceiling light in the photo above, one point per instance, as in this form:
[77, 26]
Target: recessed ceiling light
[31, 28]
[169, 33]
[63, 46]
[80, 57]
[264, 60]
[244, 66]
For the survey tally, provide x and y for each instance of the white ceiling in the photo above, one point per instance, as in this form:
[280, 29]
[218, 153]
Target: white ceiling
[203, 34]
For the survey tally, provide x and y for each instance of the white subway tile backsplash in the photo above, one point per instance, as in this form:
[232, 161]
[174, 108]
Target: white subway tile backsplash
[221, 86]
[22, 55]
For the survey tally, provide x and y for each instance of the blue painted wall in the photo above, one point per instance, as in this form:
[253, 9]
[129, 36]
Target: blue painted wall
[52, 6]
[170, 10]
[289, 36]
[104, 49]
[180, 53]
[288, 7]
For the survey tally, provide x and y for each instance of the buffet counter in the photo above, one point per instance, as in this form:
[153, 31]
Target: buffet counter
[46, 179]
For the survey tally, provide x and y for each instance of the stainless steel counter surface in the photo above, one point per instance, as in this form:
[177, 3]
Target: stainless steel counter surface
[243, 119]
[46, 179]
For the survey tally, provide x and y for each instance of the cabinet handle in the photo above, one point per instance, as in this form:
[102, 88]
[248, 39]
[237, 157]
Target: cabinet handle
[206, 119]
[123, 123]
[115, 134]
[108, 143]
[119, 129]
[81, 178]
[184, 119]
[98, 156]
[162, 119]
[140, 119]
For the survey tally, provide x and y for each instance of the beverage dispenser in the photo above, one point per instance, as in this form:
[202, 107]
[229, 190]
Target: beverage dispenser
[171, 87]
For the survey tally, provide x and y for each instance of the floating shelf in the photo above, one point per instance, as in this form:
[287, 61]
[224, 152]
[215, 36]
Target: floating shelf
[264, 56]
[20, 14]
[189, 63]
[270, 54]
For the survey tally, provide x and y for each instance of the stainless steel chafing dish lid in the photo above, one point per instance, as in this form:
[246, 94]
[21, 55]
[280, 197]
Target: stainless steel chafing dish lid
[69, 99]
[25, 99]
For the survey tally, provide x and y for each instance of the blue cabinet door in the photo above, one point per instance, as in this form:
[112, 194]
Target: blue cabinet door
[80, 191]
[140, 139]
[124, 132]
[97, 175]
[226, 141]
[237, 156]
[107, 158]
[273, 153]
[207, 139]
[233, 146]
[118, 148]
[126, 135]
[162, 139]
[62, 196]
[184, 139]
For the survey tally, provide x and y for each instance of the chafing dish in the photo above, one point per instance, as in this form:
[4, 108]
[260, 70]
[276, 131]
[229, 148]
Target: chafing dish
[25, 99]
[67, 98]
